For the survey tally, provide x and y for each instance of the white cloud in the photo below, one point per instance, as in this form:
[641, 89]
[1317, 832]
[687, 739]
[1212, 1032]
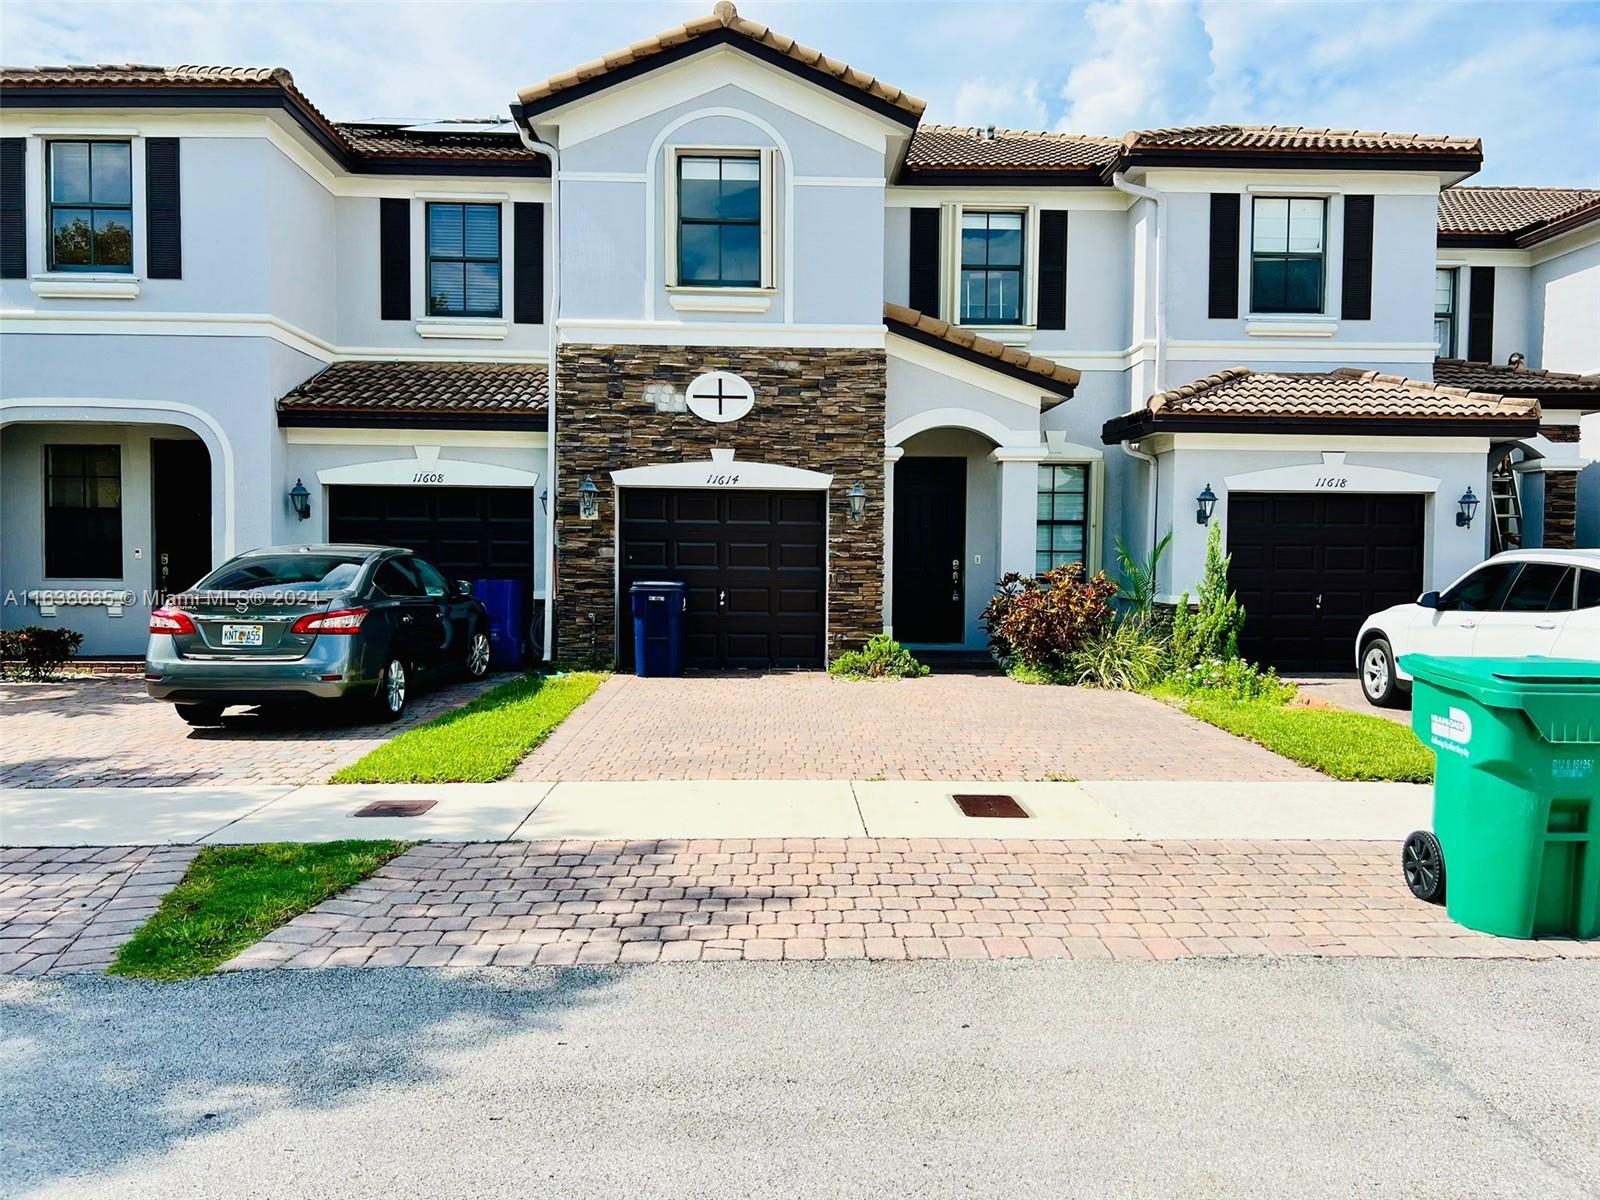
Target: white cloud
[1142, 65]
[1005, 104]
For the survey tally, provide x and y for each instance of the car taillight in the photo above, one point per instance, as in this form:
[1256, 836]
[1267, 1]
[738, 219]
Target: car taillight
[343, 620]
[171, 620]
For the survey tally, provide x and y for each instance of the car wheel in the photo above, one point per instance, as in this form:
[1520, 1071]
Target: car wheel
[1422, 861]
[1379, 683]
[394, 689]
[478, 656]
[201, 714]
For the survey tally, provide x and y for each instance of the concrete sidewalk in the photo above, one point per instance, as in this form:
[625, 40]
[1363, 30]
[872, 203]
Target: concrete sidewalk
[1115, 810]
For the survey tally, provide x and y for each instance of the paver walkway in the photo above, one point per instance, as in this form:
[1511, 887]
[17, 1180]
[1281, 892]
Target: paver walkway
[806, 725]
[67, 910]
[513, 904]
[105, 732]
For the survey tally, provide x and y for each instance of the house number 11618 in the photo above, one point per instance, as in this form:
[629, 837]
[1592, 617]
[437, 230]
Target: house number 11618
[1333, 481]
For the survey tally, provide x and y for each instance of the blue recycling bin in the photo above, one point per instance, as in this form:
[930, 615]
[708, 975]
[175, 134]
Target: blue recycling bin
[659, 609]
[507, 602]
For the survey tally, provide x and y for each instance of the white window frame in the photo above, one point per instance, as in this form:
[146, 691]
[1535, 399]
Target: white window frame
[86, 285]
[767, 157]
[1332, 263]
[1062, 453]
[950, 264]
[1457, 283]
[474, 328]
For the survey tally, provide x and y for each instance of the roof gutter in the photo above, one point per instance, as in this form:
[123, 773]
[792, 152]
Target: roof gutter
[552, 320]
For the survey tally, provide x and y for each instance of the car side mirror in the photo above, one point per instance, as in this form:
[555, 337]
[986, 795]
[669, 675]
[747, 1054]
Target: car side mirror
[463, 587]
[1429, 600]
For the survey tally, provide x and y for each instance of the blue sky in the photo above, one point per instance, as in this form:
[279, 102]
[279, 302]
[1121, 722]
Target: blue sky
[1524, 76]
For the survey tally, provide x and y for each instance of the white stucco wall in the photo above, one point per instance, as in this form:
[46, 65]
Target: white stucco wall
[1565, 310]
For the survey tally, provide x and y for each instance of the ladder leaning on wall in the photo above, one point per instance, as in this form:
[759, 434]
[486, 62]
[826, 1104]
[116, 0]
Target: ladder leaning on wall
[1506, 504]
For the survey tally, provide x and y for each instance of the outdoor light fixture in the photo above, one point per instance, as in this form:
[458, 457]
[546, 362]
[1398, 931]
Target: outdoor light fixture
[300, 499]
[544, 501]
[1207, 502]
[1469, 509]
[588, 499]
[858, 501]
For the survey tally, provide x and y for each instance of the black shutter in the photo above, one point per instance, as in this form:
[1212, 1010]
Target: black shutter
[924, 277]
[163, 220]
[394, 259]
[527, 272]
[13, 209]
[1356, 291]
[1480, 316]
[1224, 285]
[1053, 268]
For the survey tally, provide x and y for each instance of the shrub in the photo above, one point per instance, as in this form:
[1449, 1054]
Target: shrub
[1138, 593]
[880, 658]
[1234, 677]
[1039, 622]
[1211, 629]
[37, 652]
[1129, 656]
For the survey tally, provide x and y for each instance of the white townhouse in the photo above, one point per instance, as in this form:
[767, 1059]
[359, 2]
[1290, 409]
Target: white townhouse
[722, 309]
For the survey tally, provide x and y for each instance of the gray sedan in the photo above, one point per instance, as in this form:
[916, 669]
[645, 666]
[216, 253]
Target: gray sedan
[293, 623]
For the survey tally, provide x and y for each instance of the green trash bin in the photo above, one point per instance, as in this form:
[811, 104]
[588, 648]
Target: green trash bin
[1516, 794]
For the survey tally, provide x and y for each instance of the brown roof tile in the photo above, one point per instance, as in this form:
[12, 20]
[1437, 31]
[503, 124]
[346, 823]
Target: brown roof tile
[390, 141]
[952, 147]
[1510, 210]
[1295, 137]
[1343, 393]
[1511, 380]
[422, 388]
[1060, 378]
[723, 16]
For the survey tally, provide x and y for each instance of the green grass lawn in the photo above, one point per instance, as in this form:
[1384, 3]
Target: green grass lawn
[1343, 745]
[480, 742]
[233, 896]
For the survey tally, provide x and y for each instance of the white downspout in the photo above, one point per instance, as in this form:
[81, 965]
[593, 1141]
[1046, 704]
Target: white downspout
[1120, 182]
[551, 319]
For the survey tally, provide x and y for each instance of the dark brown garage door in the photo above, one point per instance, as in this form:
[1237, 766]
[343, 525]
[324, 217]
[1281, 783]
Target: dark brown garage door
[1310, 568]
[754, 563]
[468, 533]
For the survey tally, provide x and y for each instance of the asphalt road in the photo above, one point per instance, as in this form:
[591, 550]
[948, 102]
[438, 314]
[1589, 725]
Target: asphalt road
[1223, 1079]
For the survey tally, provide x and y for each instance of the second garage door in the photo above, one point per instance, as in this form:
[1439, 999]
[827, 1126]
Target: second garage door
[1310, 568]
[755, 563]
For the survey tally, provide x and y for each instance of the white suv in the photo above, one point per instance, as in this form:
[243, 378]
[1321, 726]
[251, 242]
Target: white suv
[1517, 604]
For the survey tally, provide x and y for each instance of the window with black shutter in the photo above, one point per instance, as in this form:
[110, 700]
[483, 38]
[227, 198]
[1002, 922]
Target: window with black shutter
[463, 260]
[1223, 302]
[1480, 315]
[527, 282]
[13, 209]
[90, 191]
[394, 259]
[923, 277]
[163, 224]
[1052, 307]
[1355, 301]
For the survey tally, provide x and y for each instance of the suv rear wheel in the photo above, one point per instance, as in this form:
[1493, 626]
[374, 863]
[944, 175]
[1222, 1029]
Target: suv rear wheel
[201, 714]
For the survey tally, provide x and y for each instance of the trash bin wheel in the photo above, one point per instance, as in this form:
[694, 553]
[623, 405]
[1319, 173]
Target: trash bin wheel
[1422, 860]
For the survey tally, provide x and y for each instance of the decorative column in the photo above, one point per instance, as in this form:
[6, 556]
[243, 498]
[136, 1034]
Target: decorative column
[1019, 505]
[891, 455]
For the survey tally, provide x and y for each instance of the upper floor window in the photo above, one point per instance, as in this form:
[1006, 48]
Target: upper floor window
[1286, 254]
[991, 268]
[1444, 311]
[91, 207]
[83, 512]
[463, 260]
[1063, 516]
[719, 220]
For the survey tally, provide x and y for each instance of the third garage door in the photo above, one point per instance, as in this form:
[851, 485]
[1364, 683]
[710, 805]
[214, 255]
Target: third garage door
[1310, 568]
[754, 563]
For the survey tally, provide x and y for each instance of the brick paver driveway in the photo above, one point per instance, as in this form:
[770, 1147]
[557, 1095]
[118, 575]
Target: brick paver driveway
[106, 732]
[806, 725]
[67, 910]
[516, 903]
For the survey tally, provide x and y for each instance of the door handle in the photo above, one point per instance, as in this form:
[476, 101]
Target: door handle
[1319, 601]
[1544, 624]
[1469, 624]
[406, 620]
[722, 599]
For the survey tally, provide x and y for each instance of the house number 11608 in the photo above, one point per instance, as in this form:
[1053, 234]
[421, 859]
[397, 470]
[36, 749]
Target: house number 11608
[428, 477]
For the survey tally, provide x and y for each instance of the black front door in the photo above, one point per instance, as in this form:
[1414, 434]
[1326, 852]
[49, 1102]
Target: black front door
[1309, 568]
[930, 534]
[755, 565]
[180, 500]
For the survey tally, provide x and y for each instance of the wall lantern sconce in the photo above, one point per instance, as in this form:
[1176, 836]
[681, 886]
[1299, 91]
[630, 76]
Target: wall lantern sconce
[1206, 504]
[544, 501]
[300, 499]
[1469, 509]
[588, 500]
[858, 501]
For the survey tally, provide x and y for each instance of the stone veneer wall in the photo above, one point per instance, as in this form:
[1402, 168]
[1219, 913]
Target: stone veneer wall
[1560, 496]
[821, 410]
